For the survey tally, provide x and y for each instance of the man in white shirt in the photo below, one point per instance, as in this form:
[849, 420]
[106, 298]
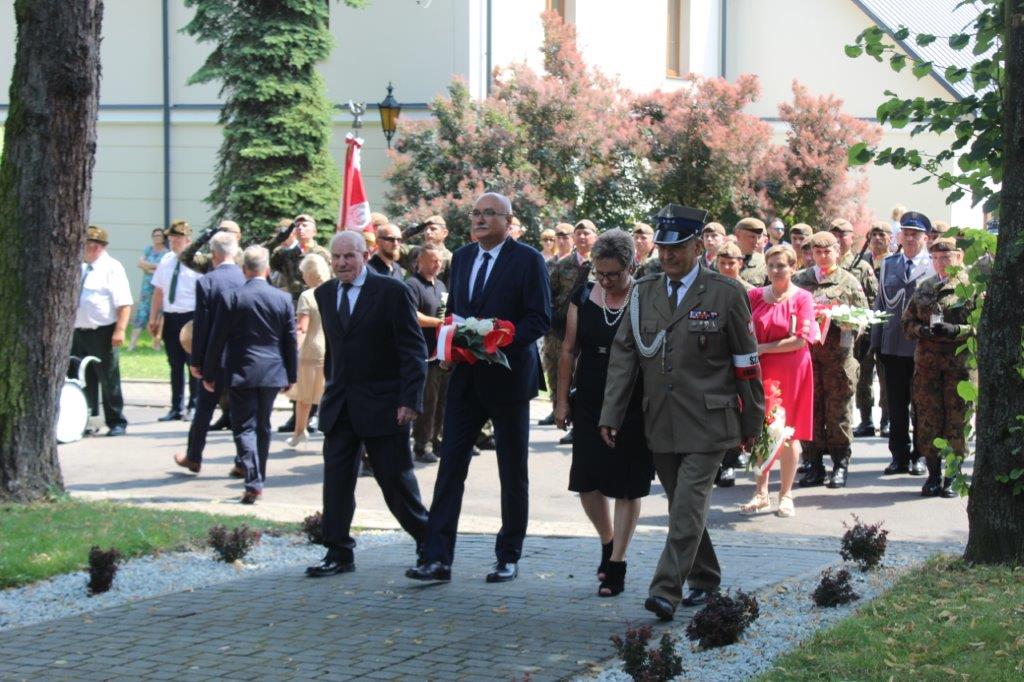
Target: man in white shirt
[174, 295]
[104, 306]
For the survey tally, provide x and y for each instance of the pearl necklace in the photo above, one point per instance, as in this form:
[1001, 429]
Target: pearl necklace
[615, 313]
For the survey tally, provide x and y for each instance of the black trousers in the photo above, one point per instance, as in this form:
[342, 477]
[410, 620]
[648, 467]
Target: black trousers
[391, 460]
[899, 374]
[250, 423]
[206, 402]
[178, 359]
[463, 420]
[106, 373]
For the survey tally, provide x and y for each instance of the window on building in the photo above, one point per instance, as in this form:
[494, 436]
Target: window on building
[675, 40]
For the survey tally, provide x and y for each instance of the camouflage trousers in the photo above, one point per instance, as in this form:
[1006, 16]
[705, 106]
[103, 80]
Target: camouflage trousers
[549, 361]
[865, 396]
[939, 409]
[835, 381]
[427, 428]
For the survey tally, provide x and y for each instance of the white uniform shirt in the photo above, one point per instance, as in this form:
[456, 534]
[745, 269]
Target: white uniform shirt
[105, 288]
[184, 291]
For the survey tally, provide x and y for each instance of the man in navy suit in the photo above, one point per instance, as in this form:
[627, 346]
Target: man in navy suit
[501, 278]
[257, 327]
[211, 290]
[375, 368]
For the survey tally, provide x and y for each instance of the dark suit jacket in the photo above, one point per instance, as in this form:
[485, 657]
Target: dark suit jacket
[257, 327]
[377, 364]
[517, 290]
[210, 298]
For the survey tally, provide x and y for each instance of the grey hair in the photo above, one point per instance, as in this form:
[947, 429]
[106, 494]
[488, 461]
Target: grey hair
[224, 244]
[256, 259]
[617, 244]
[505, 202]
[314, 262]
[354, 237]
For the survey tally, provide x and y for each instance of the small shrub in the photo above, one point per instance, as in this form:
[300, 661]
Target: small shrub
[834, 589]
[647, 665]
[864, 544]
[102, 569]
[232, 545]
[313, 527]
[723, 620]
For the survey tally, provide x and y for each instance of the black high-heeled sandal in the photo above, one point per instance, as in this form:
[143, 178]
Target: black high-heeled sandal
[606, 555]
[614, 580]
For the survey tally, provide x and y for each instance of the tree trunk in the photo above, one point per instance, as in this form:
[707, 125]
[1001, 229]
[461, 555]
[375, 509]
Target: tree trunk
[996, 515]
[45, 186]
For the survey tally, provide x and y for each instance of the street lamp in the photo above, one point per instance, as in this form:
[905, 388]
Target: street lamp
[389, 110]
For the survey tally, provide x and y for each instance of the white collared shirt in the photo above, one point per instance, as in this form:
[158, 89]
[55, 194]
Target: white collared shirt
[479, 260]
[922, 263]
[105, 288]
[353, 291]
[687, 283]
[184, 290]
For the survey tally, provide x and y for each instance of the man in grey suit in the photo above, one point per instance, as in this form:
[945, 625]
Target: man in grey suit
[257, 327]
[898, 280]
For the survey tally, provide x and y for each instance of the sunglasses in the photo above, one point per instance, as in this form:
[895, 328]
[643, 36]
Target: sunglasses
[394, 240]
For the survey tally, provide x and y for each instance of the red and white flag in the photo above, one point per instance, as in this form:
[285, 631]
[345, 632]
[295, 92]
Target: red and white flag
[355, 208]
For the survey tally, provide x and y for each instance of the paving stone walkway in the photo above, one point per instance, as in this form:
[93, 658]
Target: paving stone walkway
[375, 624]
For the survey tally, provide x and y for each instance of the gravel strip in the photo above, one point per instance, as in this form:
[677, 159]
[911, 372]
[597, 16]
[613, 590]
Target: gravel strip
[151, 576]
[788, 617]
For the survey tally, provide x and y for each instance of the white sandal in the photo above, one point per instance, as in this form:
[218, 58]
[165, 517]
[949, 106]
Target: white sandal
[758, 503]
[786, 509]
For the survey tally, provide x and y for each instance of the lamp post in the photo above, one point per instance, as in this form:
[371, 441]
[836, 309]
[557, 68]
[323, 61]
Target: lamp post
[389, 110]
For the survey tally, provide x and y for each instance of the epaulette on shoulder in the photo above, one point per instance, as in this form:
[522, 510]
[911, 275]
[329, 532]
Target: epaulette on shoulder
[719, 277]
[648, 278]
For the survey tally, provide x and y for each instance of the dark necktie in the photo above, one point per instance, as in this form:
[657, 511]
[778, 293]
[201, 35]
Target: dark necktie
[174, 282]
[910, 269]
[673, 298]
[344, 314]
[477, 292]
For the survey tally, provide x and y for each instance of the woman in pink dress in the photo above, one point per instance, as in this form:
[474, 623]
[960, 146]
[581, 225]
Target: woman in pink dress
[784, 324]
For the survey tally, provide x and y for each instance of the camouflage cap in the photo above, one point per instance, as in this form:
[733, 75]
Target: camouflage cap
[751, 225]
[943, 244]
[643, 228]
[881, 226]
[563, 229]
[432, 220]
[179, 228]
[97, 234]
[585, 225]
[840, 225]
[729, 250]
[940, 227]
[717, 228]
[802, 229]
[822, 240]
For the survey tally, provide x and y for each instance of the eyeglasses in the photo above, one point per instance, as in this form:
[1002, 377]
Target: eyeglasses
[486, 213]
[547, 239]
[393, 240]
[610, 276]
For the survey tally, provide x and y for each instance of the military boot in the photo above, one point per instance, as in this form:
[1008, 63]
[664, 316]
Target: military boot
[933, 485]
[947, 488]
[815, 475]
[866, 427]
[840, 465]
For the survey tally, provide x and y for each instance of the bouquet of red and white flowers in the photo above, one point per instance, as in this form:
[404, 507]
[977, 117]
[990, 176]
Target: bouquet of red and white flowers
[768, 445]
[469, 340]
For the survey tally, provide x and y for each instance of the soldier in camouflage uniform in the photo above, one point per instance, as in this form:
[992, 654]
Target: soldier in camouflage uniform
[749, 232]
[878, 240]
[567, 274]
[434, 230]
[937, 318]
[713, 238]
[285, 259]
[835, 370]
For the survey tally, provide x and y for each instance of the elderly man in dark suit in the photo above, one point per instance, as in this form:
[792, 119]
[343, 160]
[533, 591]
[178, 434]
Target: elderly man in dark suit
[497, 277]
[211, 291]
[375, 367]
[257, 329]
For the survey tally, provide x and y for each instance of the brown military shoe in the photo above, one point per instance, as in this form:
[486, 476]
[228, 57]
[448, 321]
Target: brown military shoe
[182, 461]
[237, 472]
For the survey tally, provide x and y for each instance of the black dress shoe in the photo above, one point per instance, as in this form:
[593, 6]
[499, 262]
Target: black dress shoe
[172, 416]
[696, 597]
[814, 477]
[566, 439]
[330, 566]
[896, 468]
[917, 468]
[838, 478]
[223, 423]
[932, 487]
[288, 426]
[503, 572]
[660, 607]
[947, 489]
[864, 429]
[486, 443]
[883, 430]
[547, 421]
[118, 430]
[727, 478]
[187, 415]
[434, 571]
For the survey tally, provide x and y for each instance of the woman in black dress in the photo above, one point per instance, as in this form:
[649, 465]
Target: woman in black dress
[599, 472]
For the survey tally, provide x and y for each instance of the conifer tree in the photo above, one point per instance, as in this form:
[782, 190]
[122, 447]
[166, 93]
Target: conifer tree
[274, 161]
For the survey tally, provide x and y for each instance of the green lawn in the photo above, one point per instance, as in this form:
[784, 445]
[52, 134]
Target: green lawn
[942, 621]
[46, 539]
[143, 362]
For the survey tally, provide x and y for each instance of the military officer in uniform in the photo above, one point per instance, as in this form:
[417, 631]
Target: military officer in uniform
[878, 248]
[833, 365]
[748, 233]
[856, 264]
[690, 332]
[797, 234]
[937, 318]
